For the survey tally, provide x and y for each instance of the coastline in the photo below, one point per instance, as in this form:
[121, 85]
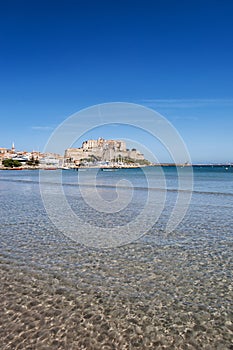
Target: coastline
[171, 165]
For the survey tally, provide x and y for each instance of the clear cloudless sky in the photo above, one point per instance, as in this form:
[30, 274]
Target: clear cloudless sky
[60, 56]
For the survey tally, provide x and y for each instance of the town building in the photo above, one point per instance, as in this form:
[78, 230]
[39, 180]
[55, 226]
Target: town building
[42, 160]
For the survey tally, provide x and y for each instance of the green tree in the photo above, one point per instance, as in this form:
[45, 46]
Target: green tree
[11, 163]
[33, 161]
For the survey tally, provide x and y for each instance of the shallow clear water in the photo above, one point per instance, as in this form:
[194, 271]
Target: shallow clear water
[158, 292]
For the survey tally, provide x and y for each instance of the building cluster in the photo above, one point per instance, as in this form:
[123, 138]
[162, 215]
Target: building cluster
[101, 150]
[92, 153]
[34, 158]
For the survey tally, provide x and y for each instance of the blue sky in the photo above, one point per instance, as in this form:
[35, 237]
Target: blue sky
[58, 57]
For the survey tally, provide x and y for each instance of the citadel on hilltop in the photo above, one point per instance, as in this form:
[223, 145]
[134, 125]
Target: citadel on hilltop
[101, 150]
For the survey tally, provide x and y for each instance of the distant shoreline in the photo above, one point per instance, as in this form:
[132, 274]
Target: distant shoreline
[224, 165]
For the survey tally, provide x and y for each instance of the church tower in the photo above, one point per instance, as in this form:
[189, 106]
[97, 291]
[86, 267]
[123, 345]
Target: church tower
[13, 147]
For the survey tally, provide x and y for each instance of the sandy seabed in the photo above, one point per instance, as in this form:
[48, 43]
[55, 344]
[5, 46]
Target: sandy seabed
[40, 311]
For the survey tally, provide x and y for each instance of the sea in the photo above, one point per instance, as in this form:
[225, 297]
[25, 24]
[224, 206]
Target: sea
[101, 276]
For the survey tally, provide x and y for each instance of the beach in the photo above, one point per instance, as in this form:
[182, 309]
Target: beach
[157, 292]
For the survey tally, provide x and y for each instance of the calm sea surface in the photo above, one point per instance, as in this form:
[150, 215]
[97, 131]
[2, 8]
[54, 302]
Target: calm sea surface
[157, 292]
